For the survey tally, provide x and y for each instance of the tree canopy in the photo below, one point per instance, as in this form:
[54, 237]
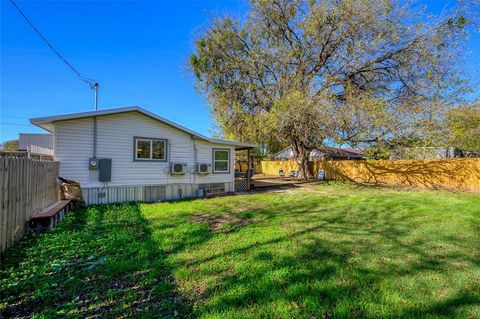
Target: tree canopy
[305, 73]
[10, 146]
[464, 127]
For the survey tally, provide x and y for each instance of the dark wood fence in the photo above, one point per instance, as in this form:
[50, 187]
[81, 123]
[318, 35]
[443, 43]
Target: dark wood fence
[26, 187]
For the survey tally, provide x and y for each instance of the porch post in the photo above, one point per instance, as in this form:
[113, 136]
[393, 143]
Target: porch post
[248, 168]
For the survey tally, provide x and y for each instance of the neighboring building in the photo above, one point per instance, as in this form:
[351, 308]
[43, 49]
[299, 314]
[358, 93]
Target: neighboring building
[131, 154]
[324, 152]
[26, 140]
[431, 153]
[36, 146]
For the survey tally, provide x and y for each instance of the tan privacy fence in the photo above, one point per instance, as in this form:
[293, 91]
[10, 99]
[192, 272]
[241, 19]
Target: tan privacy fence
[243, 166]
[26, 187]
[455, 173]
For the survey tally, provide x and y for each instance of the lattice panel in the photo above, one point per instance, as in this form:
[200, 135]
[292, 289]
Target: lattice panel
[242, 185]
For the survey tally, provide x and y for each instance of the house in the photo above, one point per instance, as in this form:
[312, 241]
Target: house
[26, 140]
[324, 152]
[130, 154]
[37, 146]
[34, 146]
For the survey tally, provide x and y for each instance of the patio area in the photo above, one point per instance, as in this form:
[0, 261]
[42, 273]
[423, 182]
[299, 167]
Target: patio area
[270, 181]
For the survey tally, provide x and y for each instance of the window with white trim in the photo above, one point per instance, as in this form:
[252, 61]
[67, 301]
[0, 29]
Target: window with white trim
[221, 160]
[150, 149]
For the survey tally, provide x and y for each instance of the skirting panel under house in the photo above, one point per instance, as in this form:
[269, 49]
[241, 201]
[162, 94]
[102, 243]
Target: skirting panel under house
[148, 193]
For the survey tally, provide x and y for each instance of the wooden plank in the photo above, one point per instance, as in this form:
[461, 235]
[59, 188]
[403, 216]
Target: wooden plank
[52, 209]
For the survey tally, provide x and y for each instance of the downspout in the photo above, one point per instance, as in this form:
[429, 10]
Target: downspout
[94, 137]
[194, 159]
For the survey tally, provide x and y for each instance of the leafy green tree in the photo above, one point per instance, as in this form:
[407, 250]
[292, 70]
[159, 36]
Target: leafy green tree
[10, 146]
[464, 127]
[299, 73]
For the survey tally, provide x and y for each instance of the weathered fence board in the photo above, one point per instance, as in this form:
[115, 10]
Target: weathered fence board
[26, 187]
[451, 173]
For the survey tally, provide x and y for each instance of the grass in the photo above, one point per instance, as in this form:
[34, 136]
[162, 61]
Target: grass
[332, 250]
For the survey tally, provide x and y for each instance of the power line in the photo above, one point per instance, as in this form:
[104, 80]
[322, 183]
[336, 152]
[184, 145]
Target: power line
[65, 84]
[89, 81]
[3, 123]
[30, 107]
[13, 116]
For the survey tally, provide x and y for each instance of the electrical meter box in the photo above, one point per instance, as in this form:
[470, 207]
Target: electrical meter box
[105, 170]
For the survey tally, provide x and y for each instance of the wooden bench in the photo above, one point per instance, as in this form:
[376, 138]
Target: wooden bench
[50, 216]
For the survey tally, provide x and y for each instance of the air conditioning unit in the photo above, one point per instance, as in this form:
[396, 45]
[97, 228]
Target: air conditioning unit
[203, 168]
[178, 168]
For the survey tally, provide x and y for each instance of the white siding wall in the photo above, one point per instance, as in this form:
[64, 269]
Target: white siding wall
[73, 147]
[115, 140]
[42, 140]
[205, 155]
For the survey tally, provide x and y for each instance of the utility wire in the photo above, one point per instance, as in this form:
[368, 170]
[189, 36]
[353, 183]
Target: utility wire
[14, 117]
[89, 81]
[15, 124]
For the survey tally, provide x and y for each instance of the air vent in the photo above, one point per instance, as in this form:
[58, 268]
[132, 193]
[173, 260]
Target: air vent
[203, 168]
[178, 168]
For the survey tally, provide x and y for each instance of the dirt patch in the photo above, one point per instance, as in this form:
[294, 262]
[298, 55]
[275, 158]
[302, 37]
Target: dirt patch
[221, 223]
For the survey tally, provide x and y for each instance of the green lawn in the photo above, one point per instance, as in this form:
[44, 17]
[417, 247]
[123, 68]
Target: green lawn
[334, 250]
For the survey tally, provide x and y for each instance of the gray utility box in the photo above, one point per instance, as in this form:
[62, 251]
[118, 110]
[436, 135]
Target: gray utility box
[105, 170]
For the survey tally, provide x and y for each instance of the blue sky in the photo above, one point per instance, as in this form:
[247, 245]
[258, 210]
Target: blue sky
[137, 50]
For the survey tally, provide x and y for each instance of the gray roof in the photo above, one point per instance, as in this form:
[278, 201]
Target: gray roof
[47, 123]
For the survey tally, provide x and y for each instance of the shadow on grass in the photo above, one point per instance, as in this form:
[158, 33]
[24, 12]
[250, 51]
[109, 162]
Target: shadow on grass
[99, 262]
[304, 256]
[322, 261]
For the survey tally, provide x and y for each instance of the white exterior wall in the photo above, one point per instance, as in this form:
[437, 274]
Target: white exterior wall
[73, 145]
[28, 139]
[115, 140]
[205, 155]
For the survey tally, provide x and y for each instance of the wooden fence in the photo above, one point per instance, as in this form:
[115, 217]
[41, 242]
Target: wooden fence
[243, 166]
[26, 187]
[454, 173]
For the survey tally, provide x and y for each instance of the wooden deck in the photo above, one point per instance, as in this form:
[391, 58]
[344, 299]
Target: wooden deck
[269, 181]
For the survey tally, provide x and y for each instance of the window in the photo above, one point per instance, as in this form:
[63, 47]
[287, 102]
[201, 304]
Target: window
[150, 149]
[221, 161]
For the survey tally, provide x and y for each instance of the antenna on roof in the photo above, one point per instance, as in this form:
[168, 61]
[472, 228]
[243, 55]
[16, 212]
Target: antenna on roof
[95, 88]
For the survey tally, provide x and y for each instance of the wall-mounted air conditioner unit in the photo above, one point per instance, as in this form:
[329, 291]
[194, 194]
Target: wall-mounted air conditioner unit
[178, 168]
[203, 168]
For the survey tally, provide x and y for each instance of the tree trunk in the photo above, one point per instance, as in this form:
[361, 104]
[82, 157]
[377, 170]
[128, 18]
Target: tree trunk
[301, 155]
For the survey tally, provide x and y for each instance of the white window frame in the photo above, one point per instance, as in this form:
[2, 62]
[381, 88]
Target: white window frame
[227, 160]
[151, 140]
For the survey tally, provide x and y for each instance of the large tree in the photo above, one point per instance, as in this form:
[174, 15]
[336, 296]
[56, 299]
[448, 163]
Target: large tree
[302, 73]
[464, 127]
[10, 146]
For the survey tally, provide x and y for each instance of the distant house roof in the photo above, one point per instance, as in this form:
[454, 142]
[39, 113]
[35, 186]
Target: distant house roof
[47, 123]
[321, 151]
[342, 152]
